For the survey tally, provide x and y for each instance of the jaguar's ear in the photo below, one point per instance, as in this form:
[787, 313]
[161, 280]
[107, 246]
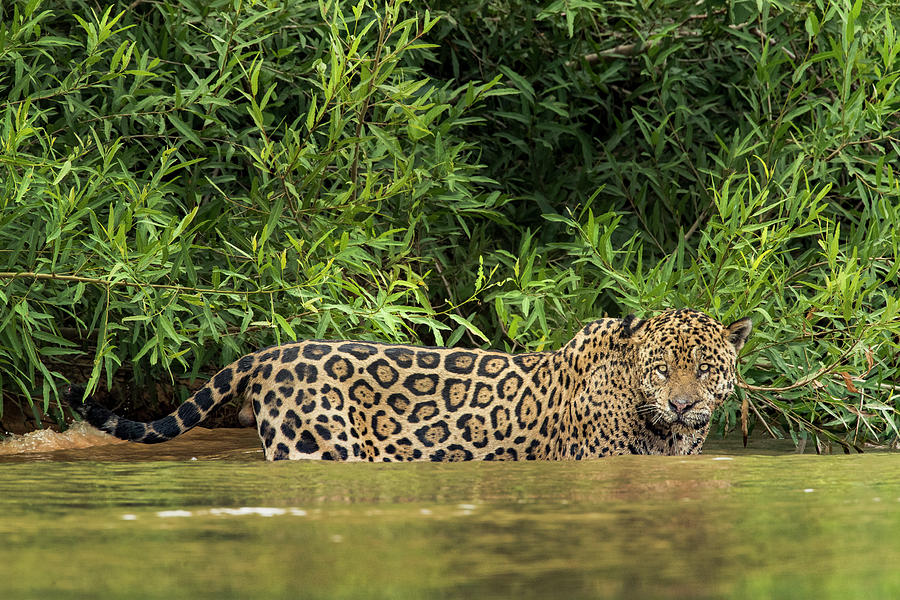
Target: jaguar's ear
[738, 332]
[629, 325]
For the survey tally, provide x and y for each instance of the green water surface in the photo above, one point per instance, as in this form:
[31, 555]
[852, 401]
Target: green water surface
[712, 526]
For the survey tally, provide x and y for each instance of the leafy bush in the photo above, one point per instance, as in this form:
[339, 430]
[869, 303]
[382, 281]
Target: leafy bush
[184, 181]
[741, 160]
[178, 177]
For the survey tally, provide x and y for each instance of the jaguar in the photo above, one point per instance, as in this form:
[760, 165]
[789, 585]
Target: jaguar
[620, 386]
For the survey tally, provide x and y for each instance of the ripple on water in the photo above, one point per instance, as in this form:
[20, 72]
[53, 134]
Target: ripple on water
[79, 435]
[261, 511]
[83, 442]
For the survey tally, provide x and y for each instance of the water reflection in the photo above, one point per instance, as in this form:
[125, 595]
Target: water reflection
[116, 521]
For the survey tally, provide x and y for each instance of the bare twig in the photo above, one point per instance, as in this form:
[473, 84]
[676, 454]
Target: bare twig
[440, 272]
[354, 165]
[134, 284]
[803, 382]
[633, 49]
[858, 142]
[761, 419]
[767, 38]
[622, 50]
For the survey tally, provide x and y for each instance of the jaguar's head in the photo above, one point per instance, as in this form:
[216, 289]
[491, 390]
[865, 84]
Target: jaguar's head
[686, 364]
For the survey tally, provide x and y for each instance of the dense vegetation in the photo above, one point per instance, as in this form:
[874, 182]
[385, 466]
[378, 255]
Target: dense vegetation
[182, 181]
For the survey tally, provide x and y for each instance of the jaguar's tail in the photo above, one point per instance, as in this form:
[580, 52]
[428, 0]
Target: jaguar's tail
[218, 390]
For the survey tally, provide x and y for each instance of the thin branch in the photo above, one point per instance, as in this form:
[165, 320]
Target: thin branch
[134, 284]
[635, 48]
[767, 38]
[761, 419]
[696, 224]
[803, 382]
[765, 365]
[440, 272]
[857, 142]
[810, 427]
[376, 64]
[622, 50]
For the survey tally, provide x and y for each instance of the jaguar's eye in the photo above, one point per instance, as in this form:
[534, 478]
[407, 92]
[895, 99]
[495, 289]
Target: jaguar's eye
[662, 370]
[704, 368]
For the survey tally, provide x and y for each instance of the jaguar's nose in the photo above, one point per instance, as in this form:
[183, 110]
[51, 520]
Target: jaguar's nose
[680, 404]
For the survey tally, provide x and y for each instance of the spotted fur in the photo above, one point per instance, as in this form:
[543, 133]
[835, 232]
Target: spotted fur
[618, 387]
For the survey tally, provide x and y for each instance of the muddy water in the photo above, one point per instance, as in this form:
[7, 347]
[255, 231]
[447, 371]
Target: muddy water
[130, 521]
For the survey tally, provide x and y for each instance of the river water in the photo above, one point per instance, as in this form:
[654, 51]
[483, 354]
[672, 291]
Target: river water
[205, 517]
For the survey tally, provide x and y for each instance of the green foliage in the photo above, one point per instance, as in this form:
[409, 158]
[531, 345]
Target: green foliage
[203, 171]
[741, 160]
[183, 181]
